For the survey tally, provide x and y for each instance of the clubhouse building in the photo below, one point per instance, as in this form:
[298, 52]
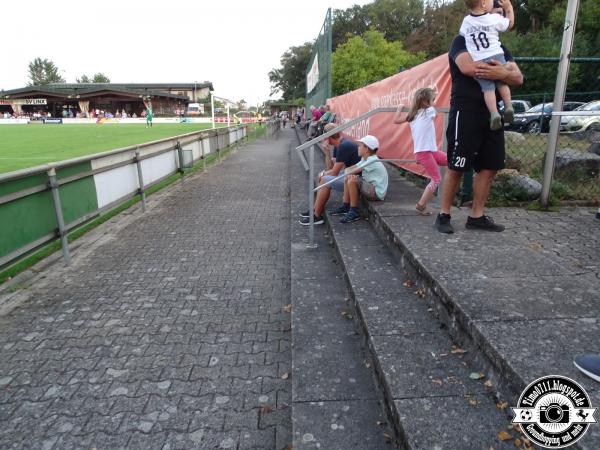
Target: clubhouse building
[85, 99]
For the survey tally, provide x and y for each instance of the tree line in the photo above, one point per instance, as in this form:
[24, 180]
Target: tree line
[376, 40]
[42, 72]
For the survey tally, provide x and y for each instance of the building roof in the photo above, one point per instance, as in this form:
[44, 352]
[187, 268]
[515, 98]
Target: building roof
[83, 90]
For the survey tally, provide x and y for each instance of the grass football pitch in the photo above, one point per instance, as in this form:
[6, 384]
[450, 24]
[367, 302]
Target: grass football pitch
[23, 146]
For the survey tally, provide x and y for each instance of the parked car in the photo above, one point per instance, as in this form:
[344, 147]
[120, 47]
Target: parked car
[537, 119]
[569, 124]
[520, 106]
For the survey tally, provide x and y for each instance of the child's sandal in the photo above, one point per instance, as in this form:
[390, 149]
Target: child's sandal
[422, 209]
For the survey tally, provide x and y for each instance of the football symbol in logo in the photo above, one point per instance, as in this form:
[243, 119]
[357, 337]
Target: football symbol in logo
[526, 415]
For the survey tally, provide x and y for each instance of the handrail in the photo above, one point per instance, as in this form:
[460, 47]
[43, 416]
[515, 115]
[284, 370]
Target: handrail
[576, 113]
[43, 168]
[363, 166]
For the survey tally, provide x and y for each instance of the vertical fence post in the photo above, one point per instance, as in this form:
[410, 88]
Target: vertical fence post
[202, 154]
[311, 198]
[62, 232]
[142, 192]
[440, 192]
[180, 159]
[559, 97]
[218, 147]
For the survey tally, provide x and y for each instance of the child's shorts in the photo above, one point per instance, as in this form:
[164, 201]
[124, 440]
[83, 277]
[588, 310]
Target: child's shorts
[368, 191]
[490, 85]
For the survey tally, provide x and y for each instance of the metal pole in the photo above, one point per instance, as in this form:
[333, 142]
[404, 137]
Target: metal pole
[445, 150]
[311, 199]
[64, 242]
[138, 165]
[212, 107]
[559, 97]
[180, 158]
[203, 158]
[228, 122]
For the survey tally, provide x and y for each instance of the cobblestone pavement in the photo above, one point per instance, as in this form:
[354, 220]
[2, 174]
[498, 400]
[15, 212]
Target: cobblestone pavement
[172, 335]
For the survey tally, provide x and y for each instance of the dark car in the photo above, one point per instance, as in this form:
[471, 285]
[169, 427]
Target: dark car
[537, 119]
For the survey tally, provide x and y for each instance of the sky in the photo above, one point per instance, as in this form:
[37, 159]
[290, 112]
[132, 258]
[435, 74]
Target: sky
[232, 43]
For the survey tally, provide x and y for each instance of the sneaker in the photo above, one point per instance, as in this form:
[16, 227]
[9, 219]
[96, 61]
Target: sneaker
[495, 121]
[483, 223]
[340, 211]
[442, 223]
[351, 216]
[598, 215]
[306, 221]
[509, 114]
[305, 214]
[589, 364]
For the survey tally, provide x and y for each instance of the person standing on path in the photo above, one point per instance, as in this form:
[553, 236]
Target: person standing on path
[420, 116]
[471, 142]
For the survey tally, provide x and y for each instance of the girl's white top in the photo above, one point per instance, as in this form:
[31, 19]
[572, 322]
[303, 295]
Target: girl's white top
[423, 130]
[481, 34]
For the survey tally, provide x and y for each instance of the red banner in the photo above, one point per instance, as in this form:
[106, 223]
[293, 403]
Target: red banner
[395, 140]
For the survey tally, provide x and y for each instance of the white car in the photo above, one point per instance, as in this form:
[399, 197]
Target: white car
[569, 124]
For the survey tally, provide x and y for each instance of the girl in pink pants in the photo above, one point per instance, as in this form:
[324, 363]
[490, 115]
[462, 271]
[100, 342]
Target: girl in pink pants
[420, 117]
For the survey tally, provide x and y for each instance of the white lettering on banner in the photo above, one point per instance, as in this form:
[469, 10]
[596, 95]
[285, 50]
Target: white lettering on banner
[313, 75]
[403, 97]
[24, 101]
[357, 130]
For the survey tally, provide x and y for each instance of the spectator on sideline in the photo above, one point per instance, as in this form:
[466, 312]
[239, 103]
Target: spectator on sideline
[371, 184]
[420, 116]
[346, 155]
[471, 143]
[316, 115]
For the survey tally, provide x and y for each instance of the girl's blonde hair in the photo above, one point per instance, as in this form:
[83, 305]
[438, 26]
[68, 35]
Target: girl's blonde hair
[420, 100]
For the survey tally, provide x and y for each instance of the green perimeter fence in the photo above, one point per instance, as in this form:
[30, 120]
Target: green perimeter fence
[318, 72]
[42, 204]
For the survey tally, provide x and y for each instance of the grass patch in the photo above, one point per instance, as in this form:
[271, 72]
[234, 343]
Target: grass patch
[31, 145]
[49, 249]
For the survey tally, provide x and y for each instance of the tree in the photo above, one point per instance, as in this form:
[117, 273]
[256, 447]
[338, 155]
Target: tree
[369, 58]
[83, 79]
[43, 72]
[100, 78]
[290, 78]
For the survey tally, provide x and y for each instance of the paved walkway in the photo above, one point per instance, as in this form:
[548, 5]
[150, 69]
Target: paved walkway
[170, 335]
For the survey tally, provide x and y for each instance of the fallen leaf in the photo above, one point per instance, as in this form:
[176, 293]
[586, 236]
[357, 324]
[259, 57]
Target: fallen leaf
[476, 375]
[488, 383]
[443, 354]
[457, 350]
[289, 447]
[287, 308]
[285, 376]
[408, 283]
[536, 247]
[502, 405]
[437, 381]
[387, 436]
[504, 436]
[518, 442]
[266, 409]
[473, 402]
[420, 293]
[368, 365]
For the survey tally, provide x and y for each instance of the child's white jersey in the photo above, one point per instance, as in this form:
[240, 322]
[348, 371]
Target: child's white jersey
[481, 34]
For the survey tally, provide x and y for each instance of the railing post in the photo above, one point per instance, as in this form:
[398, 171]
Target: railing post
[311, 199]
[440, 192]
[218, 148]
[138, 165]
[180, 158]
[559, 97]
[62, 232]
[202, 154]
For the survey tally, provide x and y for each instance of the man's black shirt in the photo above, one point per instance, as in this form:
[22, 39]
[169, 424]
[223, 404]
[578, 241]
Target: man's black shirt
[466, 93]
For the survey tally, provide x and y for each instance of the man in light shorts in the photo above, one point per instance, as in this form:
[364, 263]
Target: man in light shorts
[345, 152]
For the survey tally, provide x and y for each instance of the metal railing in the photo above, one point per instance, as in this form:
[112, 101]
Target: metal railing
[309, 165]
[217, 139]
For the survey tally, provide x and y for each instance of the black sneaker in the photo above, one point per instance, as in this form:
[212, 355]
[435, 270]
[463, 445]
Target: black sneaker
[442, 223]
[306, 221]
[598, 215]
[485, 223]
[340, 211]
[589, 364]
[305, 214]
[351, 216]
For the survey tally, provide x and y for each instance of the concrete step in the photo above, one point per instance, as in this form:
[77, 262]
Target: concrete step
[423, 374]
[335, 404]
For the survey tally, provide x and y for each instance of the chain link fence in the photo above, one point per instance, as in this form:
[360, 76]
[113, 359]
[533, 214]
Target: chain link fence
[577, 168]
[318, 72]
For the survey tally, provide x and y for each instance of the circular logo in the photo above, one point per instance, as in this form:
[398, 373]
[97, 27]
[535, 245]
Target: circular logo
[554, 412]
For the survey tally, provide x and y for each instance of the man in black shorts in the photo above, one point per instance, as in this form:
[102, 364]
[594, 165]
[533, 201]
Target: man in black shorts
[471, 143]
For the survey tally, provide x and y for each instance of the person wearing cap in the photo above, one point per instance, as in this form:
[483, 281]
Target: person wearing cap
[345, 154]
[371, 184]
